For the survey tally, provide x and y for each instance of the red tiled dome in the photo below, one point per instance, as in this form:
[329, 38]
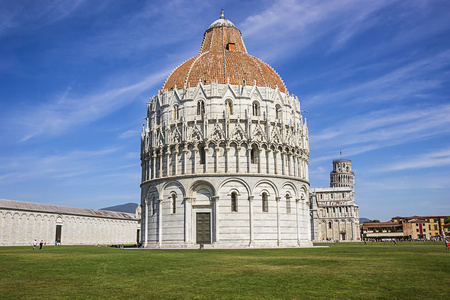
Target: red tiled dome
[223, 59]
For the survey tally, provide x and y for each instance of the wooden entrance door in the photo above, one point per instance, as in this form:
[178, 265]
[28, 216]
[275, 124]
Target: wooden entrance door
[203, 222]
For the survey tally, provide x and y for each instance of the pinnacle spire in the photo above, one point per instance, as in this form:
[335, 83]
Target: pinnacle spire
[222, 15]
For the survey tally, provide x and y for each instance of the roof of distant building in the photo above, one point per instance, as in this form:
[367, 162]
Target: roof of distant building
[59, 209]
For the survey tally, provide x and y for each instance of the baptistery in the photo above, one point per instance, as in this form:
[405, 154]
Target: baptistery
[224, 153]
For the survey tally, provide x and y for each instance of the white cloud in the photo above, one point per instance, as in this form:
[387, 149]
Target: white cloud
[379, 129]
[64, 113]
[439, 158]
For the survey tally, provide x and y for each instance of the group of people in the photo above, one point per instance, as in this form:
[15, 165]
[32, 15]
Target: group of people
[41, 243]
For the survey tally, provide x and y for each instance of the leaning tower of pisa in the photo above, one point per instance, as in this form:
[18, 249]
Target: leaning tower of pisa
[342, 175]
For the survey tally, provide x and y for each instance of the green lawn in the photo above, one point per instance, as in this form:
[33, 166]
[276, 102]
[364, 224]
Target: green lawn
[410, 270]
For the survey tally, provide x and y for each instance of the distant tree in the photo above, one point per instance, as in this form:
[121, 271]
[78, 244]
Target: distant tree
[375, 221]
[447, 220]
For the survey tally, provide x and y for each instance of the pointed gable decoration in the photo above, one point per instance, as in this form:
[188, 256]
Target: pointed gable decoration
[217, 133]
[238, 133]
[258, 134]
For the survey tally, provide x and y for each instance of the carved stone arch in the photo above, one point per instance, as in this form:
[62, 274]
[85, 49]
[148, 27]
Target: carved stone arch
[268, 182]
[243, 182]
[303, 193]
[176, 183]
[291, 185]
[202, 192]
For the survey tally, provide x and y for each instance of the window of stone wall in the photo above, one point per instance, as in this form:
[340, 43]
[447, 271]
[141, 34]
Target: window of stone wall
[200, 108]
[234, 206]
[228, 107]
[265, 202]
[256, 109]
[175, 112]
[254, 155]
[288, 203]
[202, 154]
[174, 203]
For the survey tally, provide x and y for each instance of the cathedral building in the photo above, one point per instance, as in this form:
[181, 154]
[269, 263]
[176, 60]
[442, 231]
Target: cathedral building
[224, 153]
[334, 214]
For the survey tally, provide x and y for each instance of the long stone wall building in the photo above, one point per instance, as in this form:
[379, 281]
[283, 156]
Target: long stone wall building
[23, 222]
[224, 153]
[334, 214]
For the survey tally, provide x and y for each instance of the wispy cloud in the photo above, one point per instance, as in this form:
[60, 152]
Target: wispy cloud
[54, 167]
[381, 129]
[35, 14]
[397, 84]
[65, 112]
[293, 25]
[440, 158]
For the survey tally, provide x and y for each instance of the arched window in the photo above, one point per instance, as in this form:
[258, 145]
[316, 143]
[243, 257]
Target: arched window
[175, 112]
[158, 117]
[234, 206]
[200, 108]
[278, 112]
[228, 107]
[174, 203]
[265, 202]
[288, 203]
[153, 205]
[329, 224]
[255, 108]
[201, 151]
[254, 155]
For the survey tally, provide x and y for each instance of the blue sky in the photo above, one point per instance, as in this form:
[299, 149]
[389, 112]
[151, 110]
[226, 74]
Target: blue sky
[374, 77]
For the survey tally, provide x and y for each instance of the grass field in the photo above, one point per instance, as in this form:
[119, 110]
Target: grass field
[410, 270]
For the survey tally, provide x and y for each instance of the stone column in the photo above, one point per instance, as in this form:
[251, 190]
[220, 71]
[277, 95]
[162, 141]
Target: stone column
[353, 230]
[195, 159]
[227, 163]
[146, 223]
[205, 166]
[278, 221]
[268, 160]
[216, 157]
[185, 152]
[160, 222]
[238, 149]
[154, 165]
[259, 160]
[275, 160]
[297, 219]
[176, 160]
[307, 219]
[249, 159]
[160, 158]
[187, 220]
[168, 157]
[250, 210]
[216, 219]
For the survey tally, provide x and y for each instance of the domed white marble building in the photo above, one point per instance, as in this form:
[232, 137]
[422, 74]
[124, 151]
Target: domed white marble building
[224, 153]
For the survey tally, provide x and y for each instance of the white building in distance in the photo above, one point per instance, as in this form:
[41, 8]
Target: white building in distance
[334, 214]
[23, 222]
[224, 153]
